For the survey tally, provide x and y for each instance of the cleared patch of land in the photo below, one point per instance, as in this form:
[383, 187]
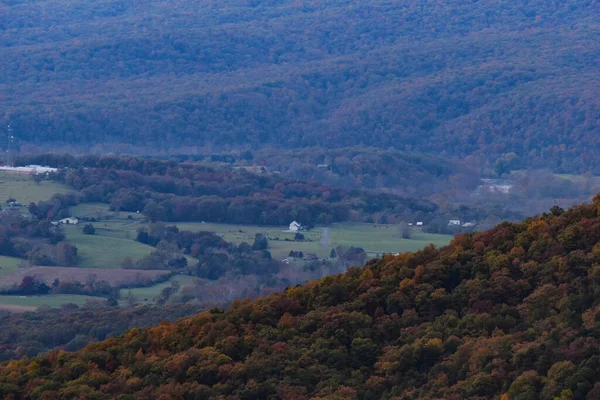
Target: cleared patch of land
[23, 189]
[8, 265]
[30, 303]
[115, 277]
[107, 248]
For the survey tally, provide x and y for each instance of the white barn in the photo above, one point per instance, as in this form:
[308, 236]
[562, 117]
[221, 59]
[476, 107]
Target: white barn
[295, 226]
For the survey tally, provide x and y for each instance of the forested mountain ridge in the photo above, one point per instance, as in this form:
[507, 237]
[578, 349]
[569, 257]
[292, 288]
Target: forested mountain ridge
[459, 78]
[511, 313]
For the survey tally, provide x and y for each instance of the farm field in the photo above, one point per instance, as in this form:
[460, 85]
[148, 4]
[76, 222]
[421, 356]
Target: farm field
[374, 238]
[23, 189]
[8, 265]
[30, 303]
[108, 247]
[114, 277]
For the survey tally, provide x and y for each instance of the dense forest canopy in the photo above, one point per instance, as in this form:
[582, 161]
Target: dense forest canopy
[511, 313]
[460, 78]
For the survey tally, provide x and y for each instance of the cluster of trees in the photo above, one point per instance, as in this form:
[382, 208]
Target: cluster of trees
[38, 242]
[30, 285]
[171, 191]
[469, 79]
[216, 257]
[71, 327]
[510, 313]
[407, 173]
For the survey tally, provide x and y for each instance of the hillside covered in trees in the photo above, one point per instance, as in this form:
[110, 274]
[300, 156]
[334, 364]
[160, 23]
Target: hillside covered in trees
[458, 78]
[511, 313]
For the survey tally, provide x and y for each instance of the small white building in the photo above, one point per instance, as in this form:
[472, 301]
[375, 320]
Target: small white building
[454, 222]
[295, 227]
[69, 221]
[420, 223]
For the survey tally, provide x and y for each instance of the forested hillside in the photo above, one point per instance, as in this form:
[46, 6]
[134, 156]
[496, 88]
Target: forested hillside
[458, 78]
[510, 313]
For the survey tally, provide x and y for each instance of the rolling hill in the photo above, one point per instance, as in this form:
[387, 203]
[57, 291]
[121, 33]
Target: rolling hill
[457, 78]
[511, 313]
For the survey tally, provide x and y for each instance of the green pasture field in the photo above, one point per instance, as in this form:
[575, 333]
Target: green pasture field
[147, 294]
[9, 264]
[25, 303]
[24, 190]
[107, 248]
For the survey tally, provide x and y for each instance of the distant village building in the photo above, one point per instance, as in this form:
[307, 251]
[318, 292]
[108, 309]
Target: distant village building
[69, 221]
[468, 224]
[295, 227]
[285, 261]
[419, 223]
[324, 166]
[454, 222]
[410, 224]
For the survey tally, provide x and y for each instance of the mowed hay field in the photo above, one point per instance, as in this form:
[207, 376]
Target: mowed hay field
[23, 189]
[114, 277]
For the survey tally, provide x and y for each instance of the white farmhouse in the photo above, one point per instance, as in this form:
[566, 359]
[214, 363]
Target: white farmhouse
[295, 226]
[69, 221]
[454, 222]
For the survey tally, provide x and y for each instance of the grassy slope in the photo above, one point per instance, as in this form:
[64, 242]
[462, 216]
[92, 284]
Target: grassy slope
[105, 249]
[24, 190]
[9, 265]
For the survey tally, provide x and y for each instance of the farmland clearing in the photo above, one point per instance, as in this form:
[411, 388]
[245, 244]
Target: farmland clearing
[115, 277]
[23, 189]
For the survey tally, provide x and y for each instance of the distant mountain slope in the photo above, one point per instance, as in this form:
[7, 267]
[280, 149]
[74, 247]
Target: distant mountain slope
[453, 77]
[512, 313]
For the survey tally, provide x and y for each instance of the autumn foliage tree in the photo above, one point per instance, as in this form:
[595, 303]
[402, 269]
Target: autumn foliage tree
[510, 313]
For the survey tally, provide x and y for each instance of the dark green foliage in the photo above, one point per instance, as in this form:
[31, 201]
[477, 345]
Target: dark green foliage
[89, 229]
[260, 242]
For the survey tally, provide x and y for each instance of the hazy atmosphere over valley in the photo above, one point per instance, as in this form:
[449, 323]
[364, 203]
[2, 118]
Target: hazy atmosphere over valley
[293, 199]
